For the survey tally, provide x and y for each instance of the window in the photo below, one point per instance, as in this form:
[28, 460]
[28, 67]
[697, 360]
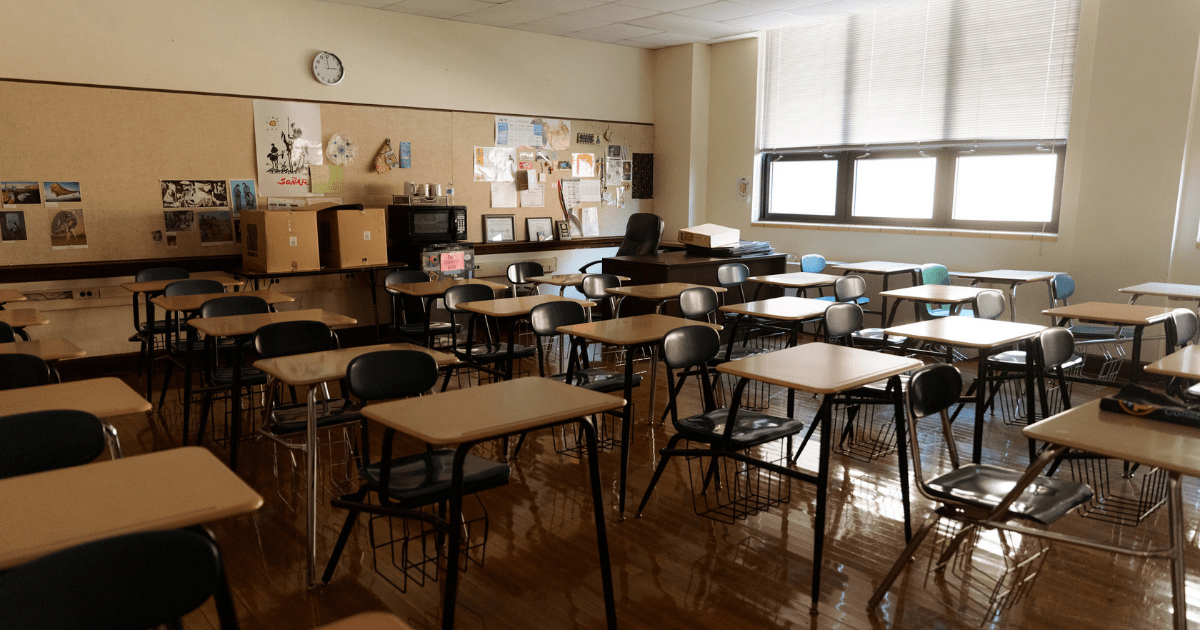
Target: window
[935, 113]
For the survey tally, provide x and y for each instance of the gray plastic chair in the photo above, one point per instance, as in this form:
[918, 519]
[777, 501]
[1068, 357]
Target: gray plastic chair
[989, 304]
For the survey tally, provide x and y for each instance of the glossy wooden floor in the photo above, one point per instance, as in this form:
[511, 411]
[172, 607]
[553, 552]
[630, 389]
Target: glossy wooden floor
[674, 569]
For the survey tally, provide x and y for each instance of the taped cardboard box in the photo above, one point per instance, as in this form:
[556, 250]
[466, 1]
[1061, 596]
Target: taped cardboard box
[709, 235]
[351, 235]
[280, 241]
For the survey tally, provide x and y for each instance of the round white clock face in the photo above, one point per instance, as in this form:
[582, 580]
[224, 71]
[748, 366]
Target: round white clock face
[327, 68]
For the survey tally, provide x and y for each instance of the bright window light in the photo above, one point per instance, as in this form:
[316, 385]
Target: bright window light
[895, 188]
[804, 187]
[1005, 188]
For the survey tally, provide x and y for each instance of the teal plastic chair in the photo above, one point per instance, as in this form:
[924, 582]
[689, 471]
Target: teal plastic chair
[934, 273]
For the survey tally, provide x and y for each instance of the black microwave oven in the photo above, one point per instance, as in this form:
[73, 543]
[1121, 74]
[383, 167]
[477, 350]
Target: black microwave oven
[426, 224]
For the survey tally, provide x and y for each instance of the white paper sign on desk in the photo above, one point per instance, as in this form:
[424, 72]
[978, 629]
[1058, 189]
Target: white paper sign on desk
[534, 197]
[504, 195]
[589, 190]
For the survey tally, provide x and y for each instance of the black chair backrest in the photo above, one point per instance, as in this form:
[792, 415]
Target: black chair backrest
[989, 304]
[283, 339]
[126, 582]
[1185, 326]
[194, 286]
[1057, 345]
[849, 288]
[48, 440]
[464, 293]
[690, 346]
[732, 275]
[643, 232]
[932, 389]
[545, 319]
[7, 334]
[234, 304]
[405, 276]
[161, 273]
[697, 302]
[521, 272]
[842, 319]
[23, 370]
[391, 374]
[596, 285]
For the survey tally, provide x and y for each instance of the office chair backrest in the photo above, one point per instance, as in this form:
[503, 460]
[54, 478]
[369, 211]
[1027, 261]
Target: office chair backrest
[464, 293]
[1185, 326]
[141, 580]
[812, 263]
[405, 276]
[161, 273]
[1062, 286]
[989, 304]
[195, 286]
[391, 374]
[234, 304]
[1057, 346]
[283, 339]
[643, 232]
[23, 370]
[849, 288]
[690, 346]
[521, 272]
[7, 334]
[842, 319]
[48, 440]
[698, 302]
[596, 285]
[934, 273]
[546, 319]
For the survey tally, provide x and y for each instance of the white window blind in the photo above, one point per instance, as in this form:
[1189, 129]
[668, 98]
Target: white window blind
[932, 71]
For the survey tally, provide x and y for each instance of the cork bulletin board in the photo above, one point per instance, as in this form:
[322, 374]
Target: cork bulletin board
[119, 143]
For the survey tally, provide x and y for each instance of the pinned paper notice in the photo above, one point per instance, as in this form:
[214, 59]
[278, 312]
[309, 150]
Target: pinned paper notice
[589, 190]
[504, 195]
[570, 193]
[534, 197]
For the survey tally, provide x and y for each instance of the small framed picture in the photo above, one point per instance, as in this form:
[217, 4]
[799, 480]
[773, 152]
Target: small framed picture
[540, 229]
[498, 227]
[564, 230]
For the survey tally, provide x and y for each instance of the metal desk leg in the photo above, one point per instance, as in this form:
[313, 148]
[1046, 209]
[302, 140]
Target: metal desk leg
[512, 340]
[1175, 515]
[454, 536]
[1050, 291]
[150, 349]
[1012, 302]
[187, 383]
[824, 417]
[235, 423]
[980, 399]
[610, 603]
[1136, 368]
[883, 302]
[627, 427]
[897, 391]
[310, 463]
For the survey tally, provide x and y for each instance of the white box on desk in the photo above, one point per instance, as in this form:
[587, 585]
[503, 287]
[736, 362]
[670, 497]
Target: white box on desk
[709, 235]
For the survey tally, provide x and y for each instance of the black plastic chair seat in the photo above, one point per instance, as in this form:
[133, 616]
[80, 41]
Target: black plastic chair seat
[879, 388]
[830, 298]
[945, 312]
[160, 327]
[875, 335]
[299, 424]
[753, 428]
[1015, 360]
[250, 376]
[435, 328]
[739, 351]
[425, 477]
[496, 352]
[1045, 500]
[1092, 332]
[598, 380]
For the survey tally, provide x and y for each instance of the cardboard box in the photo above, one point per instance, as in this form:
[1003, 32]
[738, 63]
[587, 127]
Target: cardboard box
[351, 236]
[709, 235]
[279, 241]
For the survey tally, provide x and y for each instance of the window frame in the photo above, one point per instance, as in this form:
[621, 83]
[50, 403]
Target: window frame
[944, 184]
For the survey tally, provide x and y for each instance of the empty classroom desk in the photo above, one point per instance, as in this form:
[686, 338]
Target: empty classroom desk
[102, 397]
[885, 269]
[1119, 315]
[22, 317]
[1012, 278]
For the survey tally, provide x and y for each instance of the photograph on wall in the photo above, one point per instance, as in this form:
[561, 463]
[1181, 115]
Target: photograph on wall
[20, 193]
[626, 170]
[179, 220]
[244, 197]
[557, 134]
[67, 230]
[65, 192]
[612, 171]
[583, 165]
[12, 227]
[287, 139]
[495, 164]
[194, 193]
[216, 227]
[172, 240]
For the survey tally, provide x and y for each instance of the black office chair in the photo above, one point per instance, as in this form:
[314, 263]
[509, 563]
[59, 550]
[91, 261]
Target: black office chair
[691, 348]
[145, 332]
[48, 440]
[128, 582]
[400, 325]
[970, 493]
[219, 378]
[491, 351]
[519, 274]
[24, 370]
[643, 233]
[403, 485]
[7, 335]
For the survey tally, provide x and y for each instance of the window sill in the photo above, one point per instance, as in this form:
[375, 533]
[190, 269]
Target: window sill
[1012, 236]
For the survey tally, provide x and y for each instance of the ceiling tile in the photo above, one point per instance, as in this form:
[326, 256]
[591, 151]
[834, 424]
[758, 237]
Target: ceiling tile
[503, 15]
[661, 40]
[613, 32]
[663, 5]
[703, 29]
[557, 6]
[719, 11]
[769, 21]
[614, 13]
[374, 4]
[831, 8]
[776, 5]
[438, 8]
[561, 24]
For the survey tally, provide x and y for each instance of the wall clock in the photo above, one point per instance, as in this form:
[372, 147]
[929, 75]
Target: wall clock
[327, 68]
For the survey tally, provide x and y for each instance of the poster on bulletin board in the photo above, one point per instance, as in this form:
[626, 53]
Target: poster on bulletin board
[287, 140]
